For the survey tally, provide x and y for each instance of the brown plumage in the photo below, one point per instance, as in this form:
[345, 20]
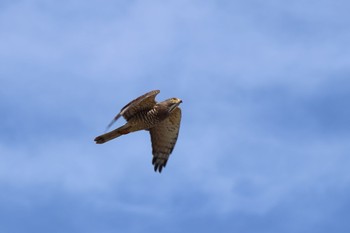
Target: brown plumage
[161, 119]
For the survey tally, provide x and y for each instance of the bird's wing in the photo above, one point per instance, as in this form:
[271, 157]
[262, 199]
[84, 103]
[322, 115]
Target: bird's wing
[142, 103]
[163, 137]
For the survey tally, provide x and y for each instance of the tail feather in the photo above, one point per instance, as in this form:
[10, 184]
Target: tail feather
[113, 134]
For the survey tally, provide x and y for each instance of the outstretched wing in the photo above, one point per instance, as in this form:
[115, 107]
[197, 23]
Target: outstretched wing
[163, 137]
[142, 103]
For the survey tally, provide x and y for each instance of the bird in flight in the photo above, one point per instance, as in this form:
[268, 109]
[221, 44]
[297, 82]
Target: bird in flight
[161, 119]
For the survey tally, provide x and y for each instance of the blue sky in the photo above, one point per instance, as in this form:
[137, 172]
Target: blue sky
[264, 141]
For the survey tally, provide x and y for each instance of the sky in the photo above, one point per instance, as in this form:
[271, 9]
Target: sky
[264, 138]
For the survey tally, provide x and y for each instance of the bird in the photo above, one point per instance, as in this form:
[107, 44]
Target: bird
[161, 119]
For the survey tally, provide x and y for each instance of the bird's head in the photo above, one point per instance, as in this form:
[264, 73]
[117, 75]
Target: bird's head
[172, 103]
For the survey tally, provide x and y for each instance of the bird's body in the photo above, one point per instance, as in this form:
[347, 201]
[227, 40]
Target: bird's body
[161, 119]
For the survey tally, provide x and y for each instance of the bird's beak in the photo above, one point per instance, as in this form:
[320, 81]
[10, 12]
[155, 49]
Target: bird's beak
[178, 103]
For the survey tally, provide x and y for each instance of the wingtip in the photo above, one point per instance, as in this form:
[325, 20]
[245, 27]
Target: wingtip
[158, 168]
[159, 164]
[112, 122]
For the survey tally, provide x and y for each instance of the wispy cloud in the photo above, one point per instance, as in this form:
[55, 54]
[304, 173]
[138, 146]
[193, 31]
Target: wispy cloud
[264, 135]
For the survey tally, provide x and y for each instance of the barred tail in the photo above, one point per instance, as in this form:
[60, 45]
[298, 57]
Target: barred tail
[113, 134]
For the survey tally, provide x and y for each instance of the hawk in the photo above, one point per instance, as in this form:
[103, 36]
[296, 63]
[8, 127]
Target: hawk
[161, 119]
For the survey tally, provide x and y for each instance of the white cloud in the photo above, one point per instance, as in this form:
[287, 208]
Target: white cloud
[248, 84]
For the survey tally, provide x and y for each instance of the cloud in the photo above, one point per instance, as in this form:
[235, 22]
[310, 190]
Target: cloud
[264, 132]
